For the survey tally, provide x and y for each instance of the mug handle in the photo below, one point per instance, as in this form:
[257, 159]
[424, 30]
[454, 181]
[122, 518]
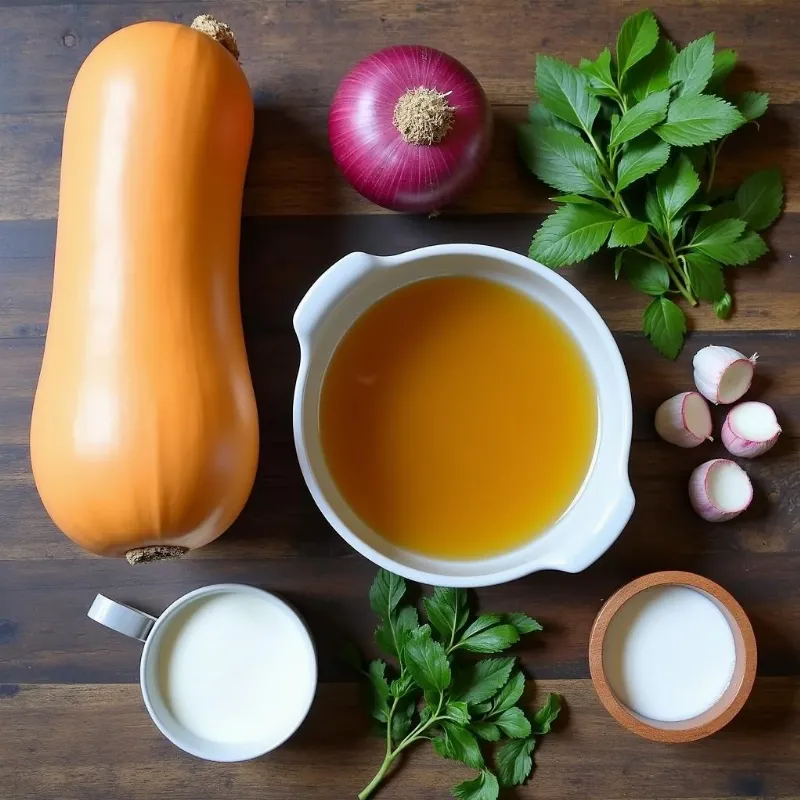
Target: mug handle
[121, 618]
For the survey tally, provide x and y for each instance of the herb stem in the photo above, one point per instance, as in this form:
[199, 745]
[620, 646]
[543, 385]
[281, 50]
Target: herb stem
[712, 165]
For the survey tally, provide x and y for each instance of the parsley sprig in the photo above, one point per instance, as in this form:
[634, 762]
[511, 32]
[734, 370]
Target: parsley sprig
[434, 695]
[632, 140]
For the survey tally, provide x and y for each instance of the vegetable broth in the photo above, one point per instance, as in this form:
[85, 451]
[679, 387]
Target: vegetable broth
[458, 417]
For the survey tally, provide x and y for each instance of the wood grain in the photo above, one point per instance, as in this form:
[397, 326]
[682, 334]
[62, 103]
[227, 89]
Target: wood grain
[291, 170]
[72, 718]
[588, 755]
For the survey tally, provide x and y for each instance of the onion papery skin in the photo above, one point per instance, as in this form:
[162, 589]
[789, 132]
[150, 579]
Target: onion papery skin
[372, 154]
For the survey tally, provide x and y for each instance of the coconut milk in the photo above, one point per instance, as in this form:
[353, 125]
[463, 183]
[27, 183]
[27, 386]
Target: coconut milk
[669, 653]
[236, 668]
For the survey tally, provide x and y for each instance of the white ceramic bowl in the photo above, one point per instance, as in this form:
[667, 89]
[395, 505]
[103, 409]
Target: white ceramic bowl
[605, 501]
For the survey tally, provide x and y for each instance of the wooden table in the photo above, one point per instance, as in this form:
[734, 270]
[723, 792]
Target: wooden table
[72, 724]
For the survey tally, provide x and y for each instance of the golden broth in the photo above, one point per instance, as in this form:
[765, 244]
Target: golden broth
[458, 417]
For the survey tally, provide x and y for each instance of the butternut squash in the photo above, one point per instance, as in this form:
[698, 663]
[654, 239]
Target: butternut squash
[144, 435]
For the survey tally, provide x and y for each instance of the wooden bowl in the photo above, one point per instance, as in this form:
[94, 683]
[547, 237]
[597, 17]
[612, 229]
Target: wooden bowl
[735, 696]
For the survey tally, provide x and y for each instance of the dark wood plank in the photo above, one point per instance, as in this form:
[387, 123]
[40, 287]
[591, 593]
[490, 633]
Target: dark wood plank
[113, 751]
[296, 52]
[292, 171]
[282, 258]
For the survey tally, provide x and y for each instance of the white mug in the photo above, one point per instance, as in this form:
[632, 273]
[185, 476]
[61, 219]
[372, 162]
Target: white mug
[152, 630]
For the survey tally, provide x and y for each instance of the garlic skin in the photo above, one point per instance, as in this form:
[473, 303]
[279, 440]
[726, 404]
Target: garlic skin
[720, 490]
[684, 420]
[750, 430]
[722, 374]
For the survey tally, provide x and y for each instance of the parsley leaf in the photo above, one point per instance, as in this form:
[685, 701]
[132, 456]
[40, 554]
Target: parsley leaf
[510, 694]
[448, 611]
[562, 160]
[564, 91]
[572, 234]
[652, 73]
[752, 105]
[487, 731]
[743, 251]
[705, 276]
[484, 679]
[627, 232]
[698, 119]
[514, 762]
[427, 661]
[523, 623]
[458, 744]
[484, 787]
[637, 37]
[646, 274]
[641, 157]
[726, 231]
[676, 185]
[640, 118]
[491, 640]
[693, 66]
[665, 324]
[547, 714]
[514, 723]
[760, 198]
[380, 690]
[386, 593]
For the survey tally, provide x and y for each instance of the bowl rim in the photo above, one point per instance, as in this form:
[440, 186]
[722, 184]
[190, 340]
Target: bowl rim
[324, 296]
[621, 712]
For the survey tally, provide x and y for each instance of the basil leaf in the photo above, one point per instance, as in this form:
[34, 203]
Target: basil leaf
[482, 680]
[637, 37]
[697, 119]
[759, 199]
[386, 592]
[487, 731]
[627, 233]
[564, 91]
[379, 690]
[752, 105]
[640, 118]
[561, 159]
[676, 185]
[705, 276]
[652, 73]
[448, 611]
[522, 622]
[514, 762]
[484, 787]
[646, 274]
[458, 744]
[571, 234]
[547, 714]
[724, 62]
[743, 251]
[641, 157]
[693, 66]
[491, 640]
[724, 306]
[510, 694]
[427, 662]
[665, 324]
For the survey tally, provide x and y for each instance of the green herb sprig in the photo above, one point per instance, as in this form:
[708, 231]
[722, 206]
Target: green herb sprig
[433, 695]
[633, 139]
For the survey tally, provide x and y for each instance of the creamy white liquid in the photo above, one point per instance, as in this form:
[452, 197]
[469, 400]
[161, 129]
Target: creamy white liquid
[236, 668]
[669, 653]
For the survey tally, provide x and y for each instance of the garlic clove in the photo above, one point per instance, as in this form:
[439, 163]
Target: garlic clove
[720, 490]
[722, 374]
[750, 429]
[684, 420]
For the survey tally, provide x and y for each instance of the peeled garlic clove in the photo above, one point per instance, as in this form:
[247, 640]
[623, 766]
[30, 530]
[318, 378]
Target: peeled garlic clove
[720, 490]
[750, 429]
[684, 420]
[722, 374]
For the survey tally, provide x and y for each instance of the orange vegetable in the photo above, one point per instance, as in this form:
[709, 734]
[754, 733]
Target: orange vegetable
[144, 438]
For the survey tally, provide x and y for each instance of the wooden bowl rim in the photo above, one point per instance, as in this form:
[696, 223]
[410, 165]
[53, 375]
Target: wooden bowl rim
[603, 688]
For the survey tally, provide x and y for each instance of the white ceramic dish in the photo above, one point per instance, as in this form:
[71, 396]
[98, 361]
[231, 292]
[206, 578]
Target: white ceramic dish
[151, 630]
[605, 502]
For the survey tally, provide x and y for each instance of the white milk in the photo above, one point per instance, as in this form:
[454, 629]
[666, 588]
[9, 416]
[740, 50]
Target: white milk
[236, 668]
[669, 653]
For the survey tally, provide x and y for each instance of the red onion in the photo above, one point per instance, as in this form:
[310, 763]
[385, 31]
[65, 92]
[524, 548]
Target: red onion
[410, 127]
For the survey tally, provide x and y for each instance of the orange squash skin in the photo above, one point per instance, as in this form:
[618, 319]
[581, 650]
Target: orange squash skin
[144, 428]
